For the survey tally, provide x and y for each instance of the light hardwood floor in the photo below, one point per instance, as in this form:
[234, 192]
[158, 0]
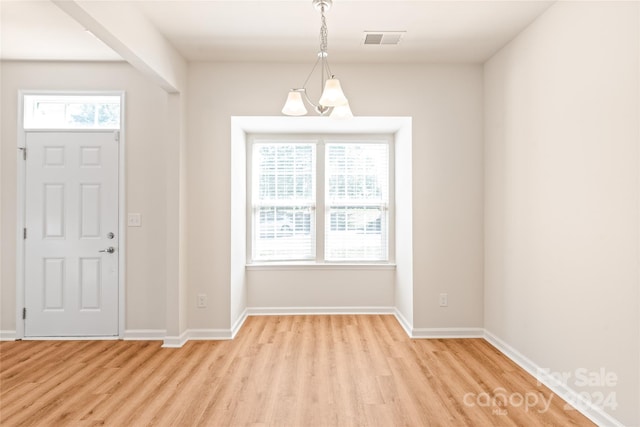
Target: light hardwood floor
[279, 371]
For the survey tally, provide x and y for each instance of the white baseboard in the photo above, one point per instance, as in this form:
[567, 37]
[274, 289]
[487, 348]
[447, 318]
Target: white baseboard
[209, 334]
[229, 334]
[447, 333]
[288, 311]
[589, 410]
[436, 333]
[236, 326]
[176, 341]
[205, 334]
[406, 325]
[72, 338]
[413, 333]
[8, 335]
[144, 334]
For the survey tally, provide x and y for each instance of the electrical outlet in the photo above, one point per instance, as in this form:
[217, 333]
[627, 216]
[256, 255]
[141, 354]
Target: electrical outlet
[202, 300]
[134, 220]
[444, 300]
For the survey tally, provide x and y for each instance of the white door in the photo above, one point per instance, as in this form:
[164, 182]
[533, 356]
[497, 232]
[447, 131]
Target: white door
[71, 274]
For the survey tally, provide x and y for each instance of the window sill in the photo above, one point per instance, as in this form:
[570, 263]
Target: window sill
[274, 266]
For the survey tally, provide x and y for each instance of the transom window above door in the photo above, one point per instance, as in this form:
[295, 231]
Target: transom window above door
[324, 199]
[72, 111]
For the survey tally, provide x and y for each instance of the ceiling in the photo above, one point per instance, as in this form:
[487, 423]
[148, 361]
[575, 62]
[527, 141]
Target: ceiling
[287, 30]
[40, 30]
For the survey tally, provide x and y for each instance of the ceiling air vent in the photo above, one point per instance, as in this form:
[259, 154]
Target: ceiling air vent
[382, 37]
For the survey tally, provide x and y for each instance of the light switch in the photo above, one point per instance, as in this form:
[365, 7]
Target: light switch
[134, 220]
[444, 300]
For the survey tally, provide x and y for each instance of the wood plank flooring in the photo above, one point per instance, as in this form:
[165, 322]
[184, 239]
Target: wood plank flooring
[279, 371]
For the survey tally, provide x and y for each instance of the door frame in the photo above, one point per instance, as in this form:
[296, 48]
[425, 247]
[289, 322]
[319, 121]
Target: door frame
[21, 205]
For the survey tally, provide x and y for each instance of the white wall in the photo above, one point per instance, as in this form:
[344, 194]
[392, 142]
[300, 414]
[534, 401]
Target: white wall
[562, 217]
[238, 208]
[446, 105]
[404, 284]
[336, 288]
[146, 156]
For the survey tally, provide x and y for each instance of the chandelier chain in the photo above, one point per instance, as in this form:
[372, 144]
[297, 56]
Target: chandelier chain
[323, 31]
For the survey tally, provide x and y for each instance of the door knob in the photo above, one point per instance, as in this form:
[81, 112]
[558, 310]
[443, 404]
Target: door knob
[109, 250]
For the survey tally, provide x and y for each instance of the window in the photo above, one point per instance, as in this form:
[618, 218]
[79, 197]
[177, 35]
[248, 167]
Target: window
[356, 201]
[72, 112]
[323, 199]
[284, 184]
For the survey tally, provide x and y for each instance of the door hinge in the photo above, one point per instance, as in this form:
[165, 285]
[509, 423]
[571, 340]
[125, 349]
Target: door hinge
[116, 136]
[24, 152]
[24, 313]
[24, 233]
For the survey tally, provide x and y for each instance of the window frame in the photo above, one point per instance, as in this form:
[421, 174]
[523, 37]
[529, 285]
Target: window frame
[320, 140]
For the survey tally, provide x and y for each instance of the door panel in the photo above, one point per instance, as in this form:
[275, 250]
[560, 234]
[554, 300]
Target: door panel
[71, 287]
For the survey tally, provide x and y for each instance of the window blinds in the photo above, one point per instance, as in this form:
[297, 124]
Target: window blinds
[284, 187]
[353, 179]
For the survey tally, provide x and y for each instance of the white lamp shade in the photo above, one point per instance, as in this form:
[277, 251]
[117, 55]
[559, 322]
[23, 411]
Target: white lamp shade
[294, 105]
[332, 95]
[341, 112]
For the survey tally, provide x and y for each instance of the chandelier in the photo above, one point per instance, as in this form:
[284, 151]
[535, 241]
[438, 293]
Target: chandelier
[332, 98]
